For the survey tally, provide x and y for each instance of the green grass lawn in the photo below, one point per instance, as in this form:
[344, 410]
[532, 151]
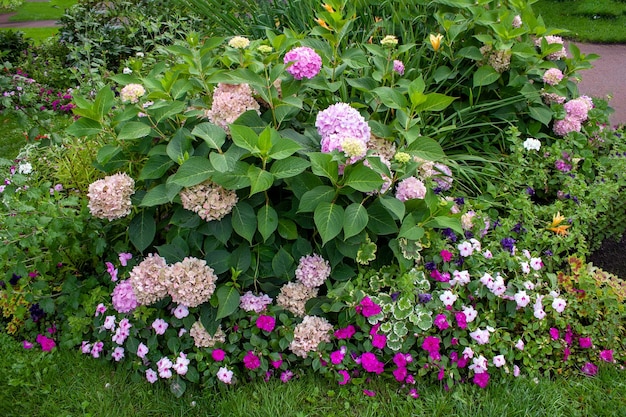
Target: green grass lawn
[47, 10]
[601, 21]
[38, 35]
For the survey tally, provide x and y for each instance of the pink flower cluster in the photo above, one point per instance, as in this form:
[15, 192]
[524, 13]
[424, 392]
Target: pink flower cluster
[309, 334]
[229, 102]
[293, 297]
[109, 198]
[410, 188]
[190, 282]
[202, 338]
[576, 111]
[398, 66]
[132, 93]
[256, 303]
[339, 122]
[305, 62]
[552, 76]
[312, 270]
[210, 201]
[148, 279]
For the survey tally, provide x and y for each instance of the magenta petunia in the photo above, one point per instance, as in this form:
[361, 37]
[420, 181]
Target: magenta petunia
[345, 377]
[368, 308]
[345, 333]
[441, 322]
[370, 363]
[481, 379]
[46, 343]
[251, 361]
[585, 342]
[379, 341]
[607, 355]
[266, 323]
[218, 355]
[589, 369]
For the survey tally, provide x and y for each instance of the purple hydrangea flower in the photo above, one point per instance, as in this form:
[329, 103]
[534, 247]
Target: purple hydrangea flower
[338, 122]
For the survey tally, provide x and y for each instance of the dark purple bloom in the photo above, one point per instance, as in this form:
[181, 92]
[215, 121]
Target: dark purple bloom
[459, 200]
[430, 266]
[424, 298]
[547, 252]
[530, 191]
[14, 279]
[36, 312]
[518, 228]
[449, 234]
[508, 243]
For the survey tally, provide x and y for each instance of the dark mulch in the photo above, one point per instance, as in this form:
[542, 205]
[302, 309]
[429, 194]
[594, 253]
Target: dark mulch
[611, 257]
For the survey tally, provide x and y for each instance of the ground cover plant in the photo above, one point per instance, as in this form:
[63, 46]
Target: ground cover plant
[367, 205]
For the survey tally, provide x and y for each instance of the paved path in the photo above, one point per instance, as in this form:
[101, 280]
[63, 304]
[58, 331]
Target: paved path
[607, 78]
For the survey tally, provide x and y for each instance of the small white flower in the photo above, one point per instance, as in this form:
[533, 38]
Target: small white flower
[499, 361]
[127, 70]
[465, 249]
[140, 54]
[520, 344]
[25, 168]
[558, 304]
[448, 298]
[532, 144]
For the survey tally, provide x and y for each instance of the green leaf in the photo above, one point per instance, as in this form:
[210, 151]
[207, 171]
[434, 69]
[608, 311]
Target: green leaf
[542, 114]
[426, 148]
[445, 222]
[155, 167]
[104, 102]
[142, 230]
[241, 258]
[391, 97]
[362, 178]
[193, 171]
[208, 318]
[323, 165]
[435, 102]
[214, 136]
[485, 75]
[178, 386]
[394, 206]
[156, 196]
[287, 229]
[245, 138]
[328, 219]
[283, 148]
[267, 220]
[283, 264]
[228, 298]
[180, 146]
[236, 179]
[260, 180]
[380, 221]
[289, 167]
[410, 229]
[313, 198]
[164, 109]
[244, 220]
[266, 138]
[134, 130]
[355, 220]
[84, 127]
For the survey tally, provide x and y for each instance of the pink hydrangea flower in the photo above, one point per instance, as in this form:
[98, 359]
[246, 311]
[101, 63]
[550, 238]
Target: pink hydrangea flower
[306, 63]
[256, 303]
[552, 76]
[312, 270]
[338, 122]
[410, 188]
[567, 125]
[109, 198]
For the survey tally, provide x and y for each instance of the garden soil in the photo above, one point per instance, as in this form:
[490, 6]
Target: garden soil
[607, 79]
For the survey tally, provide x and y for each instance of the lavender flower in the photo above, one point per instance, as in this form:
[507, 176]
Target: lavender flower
[312, 271]
[508, 243]
[410, 188]
[338, 122]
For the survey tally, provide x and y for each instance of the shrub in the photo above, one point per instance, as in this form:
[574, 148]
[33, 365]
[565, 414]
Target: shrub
[13, 45]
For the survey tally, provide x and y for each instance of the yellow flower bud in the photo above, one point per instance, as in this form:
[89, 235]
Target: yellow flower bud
[435, 41]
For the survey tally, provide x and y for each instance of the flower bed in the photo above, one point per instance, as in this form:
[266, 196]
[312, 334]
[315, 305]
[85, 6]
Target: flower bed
[299, 202]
